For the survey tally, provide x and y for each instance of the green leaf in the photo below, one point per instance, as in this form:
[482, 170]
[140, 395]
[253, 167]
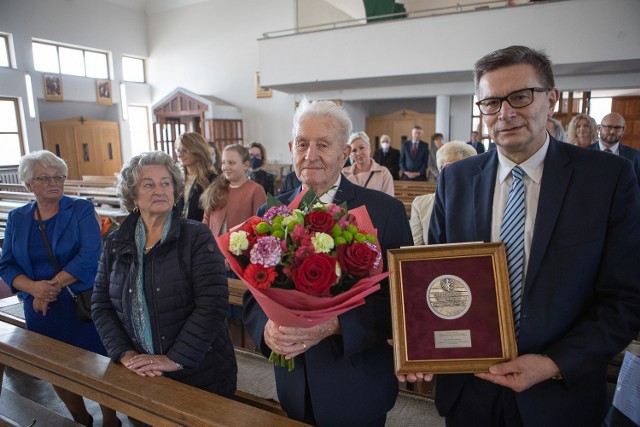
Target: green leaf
[272, 201]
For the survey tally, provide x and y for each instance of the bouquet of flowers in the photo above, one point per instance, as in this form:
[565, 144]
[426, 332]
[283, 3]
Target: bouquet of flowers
[307, 262]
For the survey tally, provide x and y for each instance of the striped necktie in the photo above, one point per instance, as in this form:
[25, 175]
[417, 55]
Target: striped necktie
[512, 234]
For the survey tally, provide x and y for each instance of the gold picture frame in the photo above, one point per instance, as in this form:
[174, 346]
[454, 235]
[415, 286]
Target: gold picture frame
[262, 92]
[451, 308]
[52, 87]
[104, 92]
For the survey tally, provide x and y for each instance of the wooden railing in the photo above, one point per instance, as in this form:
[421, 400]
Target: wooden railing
[155, 401]
[406, 191]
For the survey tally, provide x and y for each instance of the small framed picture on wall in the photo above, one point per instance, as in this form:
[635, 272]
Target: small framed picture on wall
[52, 86]
[103, 92]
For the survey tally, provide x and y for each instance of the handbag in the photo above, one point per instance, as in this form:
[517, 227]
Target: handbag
[82, 300]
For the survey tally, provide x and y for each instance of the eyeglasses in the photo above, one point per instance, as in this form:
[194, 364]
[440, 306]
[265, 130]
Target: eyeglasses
[181, 150]
[518, 99]
[608, 128]
[47, 179]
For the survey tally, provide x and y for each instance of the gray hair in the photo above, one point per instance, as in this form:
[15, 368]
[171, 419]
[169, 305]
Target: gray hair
[28, 163]
[327, 109]
[130, 173]
[558, 130]
[360, 135]
[453, 151]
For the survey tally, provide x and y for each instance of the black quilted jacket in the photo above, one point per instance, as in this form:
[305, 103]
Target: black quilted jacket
[187, 295]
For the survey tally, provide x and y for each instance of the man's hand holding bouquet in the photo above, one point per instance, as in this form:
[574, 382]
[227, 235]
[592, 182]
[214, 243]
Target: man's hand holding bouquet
[305, 264]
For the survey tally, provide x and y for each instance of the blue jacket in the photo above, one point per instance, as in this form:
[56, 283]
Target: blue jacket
[628, 153]
[418, 163]
[350, 376]
[76, 242]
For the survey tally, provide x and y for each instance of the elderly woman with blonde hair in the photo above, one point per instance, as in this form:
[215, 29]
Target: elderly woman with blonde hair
[422, 206]
[365, 171]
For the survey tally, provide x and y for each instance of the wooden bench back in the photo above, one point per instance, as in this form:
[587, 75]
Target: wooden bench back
[155, 401]
[406, 191]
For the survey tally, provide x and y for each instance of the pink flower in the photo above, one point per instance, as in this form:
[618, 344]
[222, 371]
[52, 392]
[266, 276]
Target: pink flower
[274, 211]
[267, 251]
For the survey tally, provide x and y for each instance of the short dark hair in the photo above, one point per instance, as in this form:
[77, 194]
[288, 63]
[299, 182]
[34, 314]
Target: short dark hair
[436, 136]
[515, 55]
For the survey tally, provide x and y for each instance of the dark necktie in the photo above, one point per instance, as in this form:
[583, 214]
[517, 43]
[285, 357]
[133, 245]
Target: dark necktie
[608, 150]
[414, 150]
[512, 234]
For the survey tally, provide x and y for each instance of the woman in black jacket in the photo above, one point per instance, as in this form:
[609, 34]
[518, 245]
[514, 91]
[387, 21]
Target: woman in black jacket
[194, 155]
[258, 156]
[161, 297]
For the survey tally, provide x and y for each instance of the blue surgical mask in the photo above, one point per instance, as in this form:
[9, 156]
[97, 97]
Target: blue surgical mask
[256, 162]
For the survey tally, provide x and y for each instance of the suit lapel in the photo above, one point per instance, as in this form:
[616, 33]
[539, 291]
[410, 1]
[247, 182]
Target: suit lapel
[555, 181]
[483, 187]
[345, 192]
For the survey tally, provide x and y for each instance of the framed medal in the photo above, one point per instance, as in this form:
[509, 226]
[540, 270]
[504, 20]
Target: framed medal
[451, 308]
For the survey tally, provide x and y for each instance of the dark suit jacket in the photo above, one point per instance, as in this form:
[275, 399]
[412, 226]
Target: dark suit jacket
[195, 212]
[418, 163]
[390, 160]
[479, 146]
[628, 153]
[581, 301]
[350, 376]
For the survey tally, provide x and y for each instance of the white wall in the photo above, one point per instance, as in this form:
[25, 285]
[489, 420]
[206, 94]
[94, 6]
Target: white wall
[85, 23]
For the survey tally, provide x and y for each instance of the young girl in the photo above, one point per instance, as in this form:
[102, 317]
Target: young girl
[231, 198]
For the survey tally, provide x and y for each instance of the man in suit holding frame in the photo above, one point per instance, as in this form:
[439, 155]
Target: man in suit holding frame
[344, 376]
[580, 300]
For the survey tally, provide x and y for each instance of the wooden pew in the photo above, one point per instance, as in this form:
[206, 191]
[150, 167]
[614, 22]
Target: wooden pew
[155, 401]
[406, 191]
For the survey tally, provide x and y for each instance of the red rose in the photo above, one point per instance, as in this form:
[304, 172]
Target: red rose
[319, 221]
[250, 227]
[315, 275]
[356, 259]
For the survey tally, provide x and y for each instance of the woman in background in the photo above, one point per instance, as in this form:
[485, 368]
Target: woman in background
[232, 198]
[365, 171]
[258, 158]
[422, 206]
[582, 131]
[73, 234]
[161, 295]
[194, 155]
[216, 157]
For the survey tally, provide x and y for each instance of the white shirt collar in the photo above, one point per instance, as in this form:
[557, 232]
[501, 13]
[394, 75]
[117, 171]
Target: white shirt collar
[614, 148]
[532, 167]
[331, 194]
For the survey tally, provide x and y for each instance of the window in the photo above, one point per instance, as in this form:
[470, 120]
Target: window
[139, 129]
[133, 69]
[477, 124]
[10, 132]
[51, 58]
[4, 51]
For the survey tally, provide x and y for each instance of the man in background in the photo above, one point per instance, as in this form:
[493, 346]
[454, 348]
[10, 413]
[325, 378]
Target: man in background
[476, 142]
[414, 157]
[388, 156]
[437, 140]
[611, 130]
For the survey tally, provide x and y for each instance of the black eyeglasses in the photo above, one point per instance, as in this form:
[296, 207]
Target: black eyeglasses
[518, 99]
[47, 179]
[607, 128]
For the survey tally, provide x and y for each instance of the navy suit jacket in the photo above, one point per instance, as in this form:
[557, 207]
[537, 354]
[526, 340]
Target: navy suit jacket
[581, 300]
[350, 376]
[479, 147]
[418, 163]
[628, 153]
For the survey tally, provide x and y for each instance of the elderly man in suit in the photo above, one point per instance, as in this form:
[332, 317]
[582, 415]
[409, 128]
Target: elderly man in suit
[414, 157]
[611, 131]
[575, 287]
[344, 375]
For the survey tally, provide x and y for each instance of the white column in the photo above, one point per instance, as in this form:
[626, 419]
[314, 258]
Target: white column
[443, 112]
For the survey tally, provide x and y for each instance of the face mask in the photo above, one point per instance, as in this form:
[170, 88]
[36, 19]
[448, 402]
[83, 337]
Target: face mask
[256, 162]
[384, 145]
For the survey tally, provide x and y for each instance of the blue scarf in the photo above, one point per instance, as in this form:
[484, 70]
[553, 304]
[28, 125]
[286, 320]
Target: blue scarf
[139, 308]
